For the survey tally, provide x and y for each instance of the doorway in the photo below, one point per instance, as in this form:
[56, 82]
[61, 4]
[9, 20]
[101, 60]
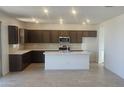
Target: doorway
[0, 53]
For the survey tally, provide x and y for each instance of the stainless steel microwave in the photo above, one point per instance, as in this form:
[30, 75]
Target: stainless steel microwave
[64, 39]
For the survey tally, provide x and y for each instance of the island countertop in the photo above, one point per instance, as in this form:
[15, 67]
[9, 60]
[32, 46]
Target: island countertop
[66, 52]
[48, 51]
[19, 52]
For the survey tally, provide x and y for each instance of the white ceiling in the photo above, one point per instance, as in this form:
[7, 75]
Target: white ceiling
[96, 14]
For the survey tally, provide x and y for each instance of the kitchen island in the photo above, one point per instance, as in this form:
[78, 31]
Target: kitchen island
[63, 60]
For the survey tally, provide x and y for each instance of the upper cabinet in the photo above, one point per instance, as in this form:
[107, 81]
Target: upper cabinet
[92, 34]
[63, 33]
[89, 33]
[13, 34]
[52, 36]
[33, 36]
[26, 36]
[79, 37]
[46, 36]
[73, 36]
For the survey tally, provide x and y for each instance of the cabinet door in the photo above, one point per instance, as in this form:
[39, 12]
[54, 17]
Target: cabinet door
[34, 36]
[19, 62]
[54, 37]
[26, 59]
[13, 34]
[79, 36]
[89, 33]
[73, 36]
[85, 33]
[37, 57]
[26, 36]
[92, 33]
[15, 63]
[46, 36]
[63, 33]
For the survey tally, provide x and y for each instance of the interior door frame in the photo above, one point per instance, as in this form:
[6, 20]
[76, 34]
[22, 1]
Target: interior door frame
[0, 52]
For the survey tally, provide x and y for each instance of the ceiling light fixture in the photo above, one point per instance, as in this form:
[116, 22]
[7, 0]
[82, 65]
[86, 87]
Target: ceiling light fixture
[37, 21]
[74, 12]
[46, 11]
[33, 19]
[87, 20]
[61, 21]
[83, 23]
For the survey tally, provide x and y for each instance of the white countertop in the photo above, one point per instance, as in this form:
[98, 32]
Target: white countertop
[20, 52]
[65, 52]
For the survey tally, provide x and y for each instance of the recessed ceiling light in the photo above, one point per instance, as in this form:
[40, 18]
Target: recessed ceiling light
[87, 20]
[74, 12]
[61, 21]
[33, 19]
[83, 23]
[45, 11]
[37, 21]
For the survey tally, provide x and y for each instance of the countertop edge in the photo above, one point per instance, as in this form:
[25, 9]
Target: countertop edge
[20, 52]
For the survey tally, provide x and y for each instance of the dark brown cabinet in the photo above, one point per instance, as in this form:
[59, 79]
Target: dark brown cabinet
[37, 57]
[54, 37]
[85, 33]
[89, 33]
[34, 36]
[73, 36]
[46, 36]
[26, 36]
[13, 34]
[79, 37]
[18, 62]
[63, 33]
[92, 34]
[26, 59]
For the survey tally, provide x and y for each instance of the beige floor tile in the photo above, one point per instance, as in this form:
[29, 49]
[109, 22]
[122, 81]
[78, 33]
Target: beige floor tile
[35, 76]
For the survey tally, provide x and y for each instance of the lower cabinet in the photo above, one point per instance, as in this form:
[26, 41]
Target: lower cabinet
[26, 59]
[18, 62]
[37, 57]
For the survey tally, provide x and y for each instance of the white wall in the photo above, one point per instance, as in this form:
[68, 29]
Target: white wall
[114, 45]
[6, 20]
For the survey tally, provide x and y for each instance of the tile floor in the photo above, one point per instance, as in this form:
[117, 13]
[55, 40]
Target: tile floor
[35, 76]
